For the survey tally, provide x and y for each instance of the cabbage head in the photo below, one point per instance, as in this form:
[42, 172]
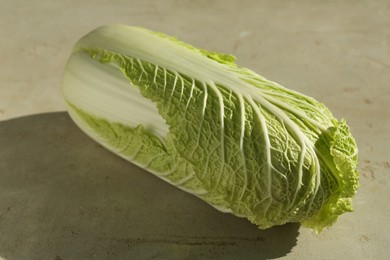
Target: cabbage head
[240, 142]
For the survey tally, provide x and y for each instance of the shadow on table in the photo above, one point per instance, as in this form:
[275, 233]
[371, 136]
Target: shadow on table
[62, 196]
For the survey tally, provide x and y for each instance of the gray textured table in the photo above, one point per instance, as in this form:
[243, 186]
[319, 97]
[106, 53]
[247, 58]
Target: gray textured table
[64, 197]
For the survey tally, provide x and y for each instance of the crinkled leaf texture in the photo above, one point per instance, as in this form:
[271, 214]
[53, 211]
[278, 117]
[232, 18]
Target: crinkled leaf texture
[242, 143]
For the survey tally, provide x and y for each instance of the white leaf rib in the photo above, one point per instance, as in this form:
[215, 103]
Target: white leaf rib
[127, 145]
[191, 93]
[182, 88]
[142, 69]
[173, 91]
[174, 86]
[165, 80]
[137, 152]
[155, 74]
[184, 180]
[242, 135]
[205, 96]
[165, 174]
[222, 119]
[267, 148]
[132, 63]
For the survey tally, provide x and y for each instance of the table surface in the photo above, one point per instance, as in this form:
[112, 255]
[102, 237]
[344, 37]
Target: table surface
[64, 197]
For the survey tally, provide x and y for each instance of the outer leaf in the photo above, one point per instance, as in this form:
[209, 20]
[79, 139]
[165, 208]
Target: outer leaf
[242, 143]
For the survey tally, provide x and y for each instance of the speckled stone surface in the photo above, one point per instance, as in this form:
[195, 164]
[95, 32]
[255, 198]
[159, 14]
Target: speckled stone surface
[64, 197]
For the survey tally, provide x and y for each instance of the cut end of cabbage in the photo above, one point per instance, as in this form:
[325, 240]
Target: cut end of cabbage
[194, 118]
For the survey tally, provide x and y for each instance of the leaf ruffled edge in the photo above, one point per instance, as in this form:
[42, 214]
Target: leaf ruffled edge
[344, 152]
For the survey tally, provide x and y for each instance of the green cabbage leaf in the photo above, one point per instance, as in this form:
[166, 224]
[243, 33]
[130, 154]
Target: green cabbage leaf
[242, 143]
